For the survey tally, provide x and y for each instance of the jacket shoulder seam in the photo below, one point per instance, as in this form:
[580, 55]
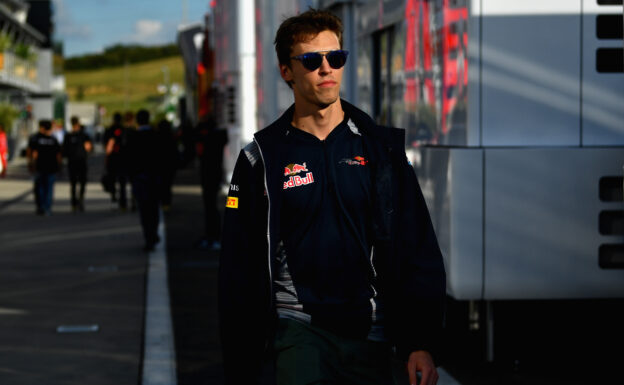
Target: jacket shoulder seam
[252, 152]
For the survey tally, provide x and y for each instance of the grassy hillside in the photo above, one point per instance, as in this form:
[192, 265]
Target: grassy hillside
[124, 88]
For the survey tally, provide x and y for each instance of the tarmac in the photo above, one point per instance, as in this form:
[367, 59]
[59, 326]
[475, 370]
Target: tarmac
[81, 303]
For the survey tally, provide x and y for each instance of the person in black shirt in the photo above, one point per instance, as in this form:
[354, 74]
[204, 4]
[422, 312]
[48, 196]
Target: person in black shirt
[115, 143]
[44, 157]
[210, 142]
[330, 265]
[76, 146]
[146, 163]
[169, 161]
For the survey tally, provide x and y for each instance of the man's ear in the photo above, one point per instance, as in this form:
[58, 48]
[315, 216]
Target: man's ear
[286, 73]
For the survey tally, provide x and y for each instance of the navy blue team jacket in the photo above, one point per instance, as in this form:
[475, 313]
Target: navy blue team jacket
[410, 270]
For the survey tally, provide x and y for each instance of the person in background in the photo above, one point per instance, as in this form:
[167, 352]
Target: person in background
[4, 152]
[330, 267]
[145, 160]
[44, 159]
[58, 130]
[209, 149]
[129, 120]
[170, 162]
[115, 143]
[76, 146]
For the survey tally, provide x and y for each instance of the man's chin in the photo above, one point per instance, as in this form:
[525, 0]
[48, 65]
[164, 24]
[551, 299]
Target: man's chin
[326, 102]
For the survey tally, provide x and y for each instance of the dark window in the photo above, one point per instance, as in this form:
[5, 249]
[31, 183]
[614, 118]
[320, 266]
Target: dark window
[610, 60]
[609, 26]
[609, 2]
[611, 256]
[611, 222]
[611, 189]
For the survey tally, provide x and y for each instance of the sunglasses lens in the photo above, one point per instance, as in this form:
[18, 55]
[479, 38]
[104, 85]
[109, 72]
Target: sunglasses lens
[337, 59]
[312, 60]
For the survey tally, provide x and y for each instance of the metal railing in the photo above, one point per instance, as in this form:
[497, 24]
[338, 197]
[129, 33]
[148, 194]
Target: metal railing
[18, 72]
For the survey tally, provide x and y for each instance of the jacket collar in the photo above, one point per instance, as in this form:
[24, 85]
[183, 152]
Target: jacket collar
[362, 121]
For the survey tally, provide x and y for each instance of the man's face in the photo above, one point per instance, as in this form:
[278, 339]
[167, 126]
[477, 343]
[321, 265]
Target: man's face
[318, 88]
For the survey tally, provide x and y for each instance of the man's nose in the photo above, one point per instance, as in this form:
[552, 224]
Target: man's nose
[325, 67]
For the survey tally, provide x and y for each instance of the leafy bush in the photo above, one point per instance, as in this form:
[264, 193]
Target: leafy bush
[5, 41]
[8, 114]
[25, 52]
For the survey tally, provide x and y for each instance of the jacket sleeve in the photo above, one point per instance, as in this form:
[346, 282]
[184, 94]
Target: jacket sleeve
[421, 270]
[244, 300]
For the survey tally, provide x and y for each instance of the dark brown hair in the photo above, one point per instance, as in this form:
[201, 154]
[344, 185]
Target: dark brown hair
[46, 124]
[302, 28]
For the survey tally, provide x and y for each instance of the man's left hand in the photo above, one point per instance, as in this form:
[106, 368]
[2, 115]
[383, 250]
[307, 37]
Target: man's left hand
[421, 362]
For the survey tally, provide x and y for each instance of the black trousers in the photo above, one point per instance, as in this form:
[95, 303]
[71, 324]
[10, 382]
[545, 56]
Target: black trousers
[146, 188]
[122, 179]
[78, 180]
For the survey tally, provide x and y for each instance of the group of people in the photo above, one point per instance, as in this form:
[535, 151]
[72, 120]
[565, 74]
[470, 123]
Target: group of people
[45, 155]
[139, 154]
[147, 156]
[136, 152]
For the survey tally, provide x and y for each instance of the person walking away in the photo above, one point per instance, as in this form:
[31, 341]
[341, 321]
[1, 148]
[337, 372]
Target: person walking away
[76, 146]
[44, 158]
[4, 152]
[130, 126]
[329, 255]
[209, 149]
[145, 151]
[116, 140]
[170, 162]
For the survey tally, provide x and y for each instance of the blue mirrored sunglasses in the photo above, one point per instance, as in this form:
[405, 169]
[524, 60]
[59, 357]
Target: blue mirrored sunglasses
[313, 60]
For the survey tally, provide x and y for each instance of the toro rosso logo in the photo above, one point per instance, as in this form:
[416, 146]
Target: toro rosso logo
[295, 180]
[355, 161]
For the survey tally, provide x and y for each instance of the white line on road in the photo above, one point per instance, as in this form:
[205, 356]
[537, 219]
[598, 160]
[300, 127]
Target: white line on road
[159, 362]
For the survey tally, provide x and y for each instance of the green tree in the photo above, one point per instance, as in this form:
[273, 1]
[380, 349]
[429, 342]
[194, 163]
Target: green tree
[8, 114]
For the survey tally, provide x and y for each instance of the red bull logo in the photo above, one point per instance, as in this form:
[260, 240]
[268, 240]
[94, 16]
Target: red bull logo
[294, 169]
[295, 181]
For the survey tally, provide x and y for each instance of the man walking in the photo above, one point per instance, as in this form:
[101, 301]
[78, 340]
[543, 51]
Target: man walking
[209, 150]
[44, 157]
[76, 146]
[329, 255]
[115, 142]
[145, 153]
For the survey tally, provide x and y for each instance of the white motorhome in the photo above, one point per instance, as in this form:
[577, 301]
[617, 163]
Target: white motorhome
[514, 118]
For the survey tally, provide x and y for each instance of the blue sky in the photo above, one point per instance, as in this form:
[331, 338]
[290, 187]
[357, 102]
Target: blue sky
[88, 26]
